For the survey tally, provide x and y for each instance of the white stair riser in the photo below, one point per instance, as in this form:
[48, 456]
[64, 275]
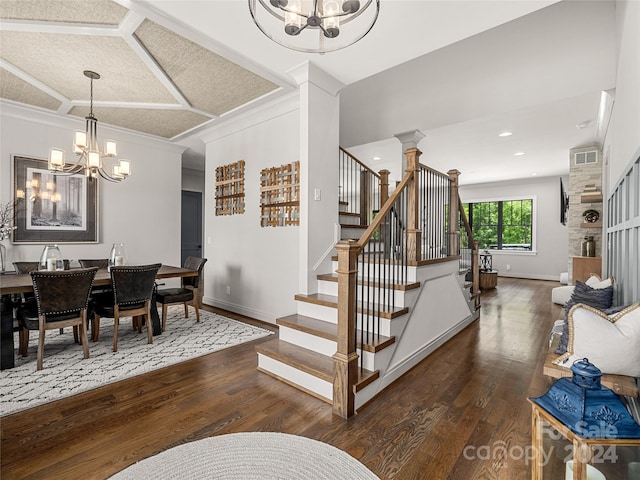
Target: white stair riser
[366, 394]
[323, 346]
[410, 276]
[351, 233]
[308, 341]
[373, 292]
[296, 377]
[349, 220]
[376, 361]
[329, 314]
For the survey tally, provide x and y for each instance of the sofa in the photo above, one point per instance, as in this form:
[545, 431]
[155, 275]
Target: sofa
[561, 295]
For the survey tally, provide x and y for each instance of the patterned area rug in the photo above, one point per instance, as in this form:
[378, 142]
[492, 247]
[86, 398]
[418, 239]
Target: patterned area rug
[66, 373]
[250, 456]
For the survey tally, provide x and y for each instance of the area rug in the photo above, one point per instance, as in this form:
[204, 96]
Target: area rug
[66, 373]
[250, 456]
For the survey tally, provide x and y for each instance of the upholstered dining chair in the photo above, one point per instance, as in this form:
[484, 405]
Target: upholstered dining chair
[25, 267]
[131, 297]
[94, 262]
[28, 267]
[100, 263]
[62, 297]
[188, 294]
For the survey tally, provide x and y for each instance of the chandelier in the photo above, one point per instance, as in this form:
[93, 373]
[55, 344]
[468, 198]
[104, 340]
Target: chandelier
[85, 146]
[315, 26]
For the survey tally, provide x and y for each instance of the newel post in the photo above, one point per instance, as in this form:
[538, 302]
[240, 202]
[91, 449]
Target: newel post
[454, 206]
[384, 186]
[414, 240]
[475, 265]
[345, 360]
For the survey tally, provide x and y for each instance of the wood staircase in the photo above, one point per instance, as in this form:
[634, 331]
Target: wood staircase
[305, 352]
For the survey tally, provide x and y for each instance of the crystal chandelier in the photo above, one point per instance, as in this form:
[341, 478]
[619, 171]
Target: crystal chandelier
[85, 146]
[314, 26]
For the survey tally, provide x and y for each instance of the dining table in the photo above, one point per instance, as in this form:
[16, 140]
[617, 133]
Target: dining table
[12, 284]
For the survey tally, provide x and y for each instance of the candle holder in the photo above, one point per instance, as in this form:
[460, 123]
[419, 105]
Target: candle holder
[51, 258]
[118, 255]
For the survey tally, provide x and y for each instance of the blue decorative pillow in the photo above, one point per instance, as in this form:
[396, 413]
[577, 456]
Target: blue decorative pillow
[599, 298]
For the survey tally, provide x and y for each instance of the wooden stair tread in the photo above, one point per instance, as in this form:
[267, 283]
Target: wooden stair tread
[333, 277]
[329, 331]
[332, 302]
[308, 361]
[350, 214]
[359, 227]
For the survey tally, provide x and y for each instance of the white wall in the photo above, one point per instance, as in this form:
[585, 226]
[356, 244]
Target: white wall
[622, 143]
[143, 211]
[551, 255]
[258, 264]
[193, 180]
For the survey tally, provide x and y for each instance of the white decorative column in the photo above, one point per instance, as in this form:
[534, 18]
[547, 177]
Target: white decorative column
[409, 140]
[319, 141]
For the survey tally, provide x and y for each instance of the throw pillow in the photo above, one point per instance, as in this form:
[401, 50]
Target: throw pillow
[599, 296]
[610, 342]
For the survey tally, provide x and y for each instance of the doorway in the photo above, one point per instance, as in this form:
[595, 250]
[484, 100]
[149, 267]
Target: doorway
[191, 225]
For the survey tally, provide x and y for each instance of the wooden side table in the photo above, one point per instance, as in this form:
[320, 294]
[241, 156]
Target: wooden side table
[488, 279]
[583, 267]
[612, 457]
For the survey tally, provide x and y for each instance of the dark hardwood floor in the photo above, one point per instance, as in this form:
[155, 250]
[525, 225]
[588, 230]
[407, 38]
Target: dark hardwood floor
[469, 393]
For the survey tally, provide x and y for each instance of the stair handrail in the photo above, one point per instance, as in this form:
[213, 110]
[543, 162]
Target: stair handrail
[388, 205]
[362, 190]
[362, 164]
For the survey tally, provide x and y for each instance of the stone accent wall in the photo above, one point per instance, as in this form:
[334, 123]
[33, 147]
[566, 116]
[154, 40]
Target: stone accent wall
[579, 176]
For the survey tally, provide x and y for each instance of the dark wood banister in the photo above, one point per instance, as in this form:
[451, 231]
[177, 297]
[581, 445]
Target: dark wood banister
[346, 152]
[388, 205]
[467, 227]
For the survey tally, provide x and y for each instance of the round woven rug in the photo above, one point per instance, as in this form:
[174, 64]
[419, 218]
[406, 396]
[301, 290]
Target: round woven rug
[249, 456]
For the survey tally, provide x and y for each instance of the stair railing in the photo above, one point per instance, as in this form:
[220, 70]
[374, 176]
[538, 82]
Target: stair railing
[418, 224]
[469, 255]
[361, 190]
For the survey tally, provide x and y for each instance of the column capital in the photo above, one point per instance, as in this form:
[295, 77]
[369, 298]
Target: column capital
[410, 139]
[308, 72]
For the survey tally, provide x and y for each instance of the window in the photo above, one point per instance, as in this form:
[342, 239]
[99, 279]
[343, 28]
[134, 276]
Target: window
[503, 224]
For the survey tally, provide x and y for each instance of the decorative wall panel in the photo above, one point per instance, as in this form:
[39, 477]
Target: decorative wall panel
[280, 195]
[230, 189]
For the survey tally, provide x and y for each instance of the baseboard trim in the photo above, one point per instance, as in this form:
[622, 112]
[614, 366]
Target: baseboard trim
[555, 278]
[266, 317]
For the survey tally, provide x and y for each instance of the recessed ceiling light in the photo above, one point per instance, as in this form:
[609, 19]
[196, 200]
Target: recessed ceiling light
[584, 124]
[377, 158]
[518, 154]
[504, 134]
[534, 174]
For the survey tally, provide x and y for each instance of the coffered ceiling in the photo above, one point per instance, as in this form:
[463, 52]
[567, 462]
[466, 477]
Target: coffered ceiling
[153, 80]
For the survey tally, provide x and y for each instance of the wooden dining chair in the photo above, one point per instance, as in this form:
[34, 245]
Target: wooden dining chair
[62, 297]
[131, 297]
[188, 294]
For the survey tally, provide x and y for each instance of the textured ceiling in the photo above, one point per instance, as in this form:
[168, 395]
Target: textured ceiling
[153, 80]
